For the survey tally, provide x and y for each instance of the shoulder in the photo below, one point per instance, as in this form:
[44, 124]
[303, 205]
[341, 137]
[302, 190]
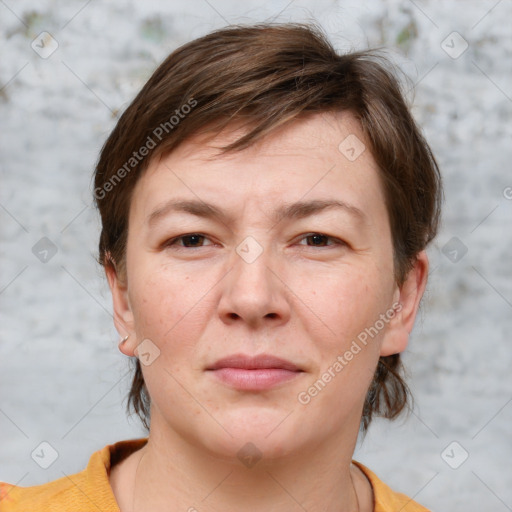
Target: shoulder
[64, 492]
[387, 500]
[85, 491]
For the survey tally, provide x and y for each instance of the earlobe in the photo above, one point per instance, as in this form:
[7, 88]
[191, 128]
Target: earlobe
[123, 316]
[407, 304]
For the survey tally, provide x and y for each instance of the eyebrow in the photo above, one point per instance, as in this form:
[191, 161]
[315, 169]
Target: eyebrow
[292, 211]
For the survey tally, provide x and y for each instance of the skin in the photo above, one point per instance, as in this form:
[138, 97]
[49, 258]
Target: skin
[303, 299]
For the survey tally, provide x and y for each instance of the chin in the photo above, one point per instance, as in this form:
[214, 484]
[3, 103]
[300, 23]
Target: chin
[256, 432]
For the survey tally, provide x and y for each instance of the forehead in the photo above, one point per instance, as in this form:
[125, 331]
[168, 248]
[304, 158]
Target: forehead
[309, 158]
[302, 135]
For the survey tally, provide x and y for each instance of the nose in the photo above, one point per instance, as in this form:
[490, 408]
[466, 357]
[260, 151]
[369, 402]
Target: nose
[253, 291]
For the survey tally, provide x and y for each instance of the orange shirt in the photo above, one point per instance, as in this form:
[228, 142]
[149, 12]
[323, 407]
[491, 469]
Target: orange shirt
[89, 490]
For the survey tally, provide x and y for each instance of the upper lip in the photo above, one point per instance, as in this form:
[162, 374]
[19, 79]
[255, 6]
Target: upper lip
[261, 361]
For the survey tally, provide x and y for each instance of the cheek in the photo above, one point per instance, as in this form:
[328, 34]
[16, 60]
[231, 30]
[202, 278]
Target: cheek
[347, 307]
[163, 305]
[343, 303]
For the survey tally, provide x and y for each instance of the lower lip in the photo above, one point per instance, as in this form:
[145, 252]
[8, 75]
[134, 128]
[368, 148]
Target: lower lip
[254, 380]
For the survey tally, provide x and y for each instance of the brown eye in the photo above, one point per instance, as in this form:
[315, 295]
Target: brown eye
[320, 240]
[190, 240]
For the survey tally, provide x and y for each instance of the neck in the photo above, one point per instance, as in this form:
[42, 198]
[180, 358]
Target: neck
[316, 479]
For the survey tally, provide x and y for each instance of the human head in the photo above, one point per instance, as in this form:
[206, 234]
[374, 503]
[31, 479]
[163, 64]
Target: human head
[266, 76]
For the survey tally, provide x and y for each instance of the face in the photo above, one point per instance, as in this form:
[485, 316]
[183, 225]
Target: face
[263, 304]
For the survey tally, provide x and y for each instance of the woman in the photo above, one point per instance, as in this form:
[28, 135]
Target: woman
[266, 204]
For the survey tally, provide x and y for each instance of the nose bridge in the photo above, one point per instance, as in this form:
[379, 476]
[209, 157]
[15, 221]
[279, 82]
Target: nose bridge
[252, 292]
[251, 262]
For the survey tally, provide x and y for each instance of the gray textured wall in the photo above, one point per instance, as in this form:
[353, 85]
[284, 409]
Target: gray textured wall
[62, 379]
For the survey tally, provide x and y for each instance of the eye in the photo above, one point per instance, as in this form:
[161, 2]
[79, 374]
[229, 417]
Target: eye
[196, 240]
[190, 240]
[320, 240]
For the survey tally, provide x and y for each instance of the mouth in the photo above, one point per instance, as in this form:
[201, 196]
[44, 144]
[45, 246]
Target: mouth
[254, 373]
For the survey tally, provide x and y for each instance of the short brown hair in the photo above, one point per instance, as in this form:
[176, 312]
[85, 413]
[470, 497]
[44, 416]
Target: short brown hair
[267, 75]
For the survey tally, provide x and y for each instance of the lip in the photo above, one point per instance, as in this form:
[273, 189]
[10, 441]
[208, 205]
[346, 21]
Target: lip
[254, 373]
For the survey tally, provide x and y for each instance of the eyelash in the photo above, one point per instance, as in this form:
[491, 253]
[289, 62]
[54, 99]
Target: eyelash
[173, 241]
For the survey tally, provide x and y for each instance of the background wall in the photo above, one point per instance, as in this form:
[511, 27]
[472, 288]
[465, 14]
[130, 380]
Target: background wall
[62, 380]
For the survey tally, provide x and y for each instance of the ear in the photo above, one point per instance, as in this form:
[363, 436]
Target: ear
[406, 303]
[123, 316]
